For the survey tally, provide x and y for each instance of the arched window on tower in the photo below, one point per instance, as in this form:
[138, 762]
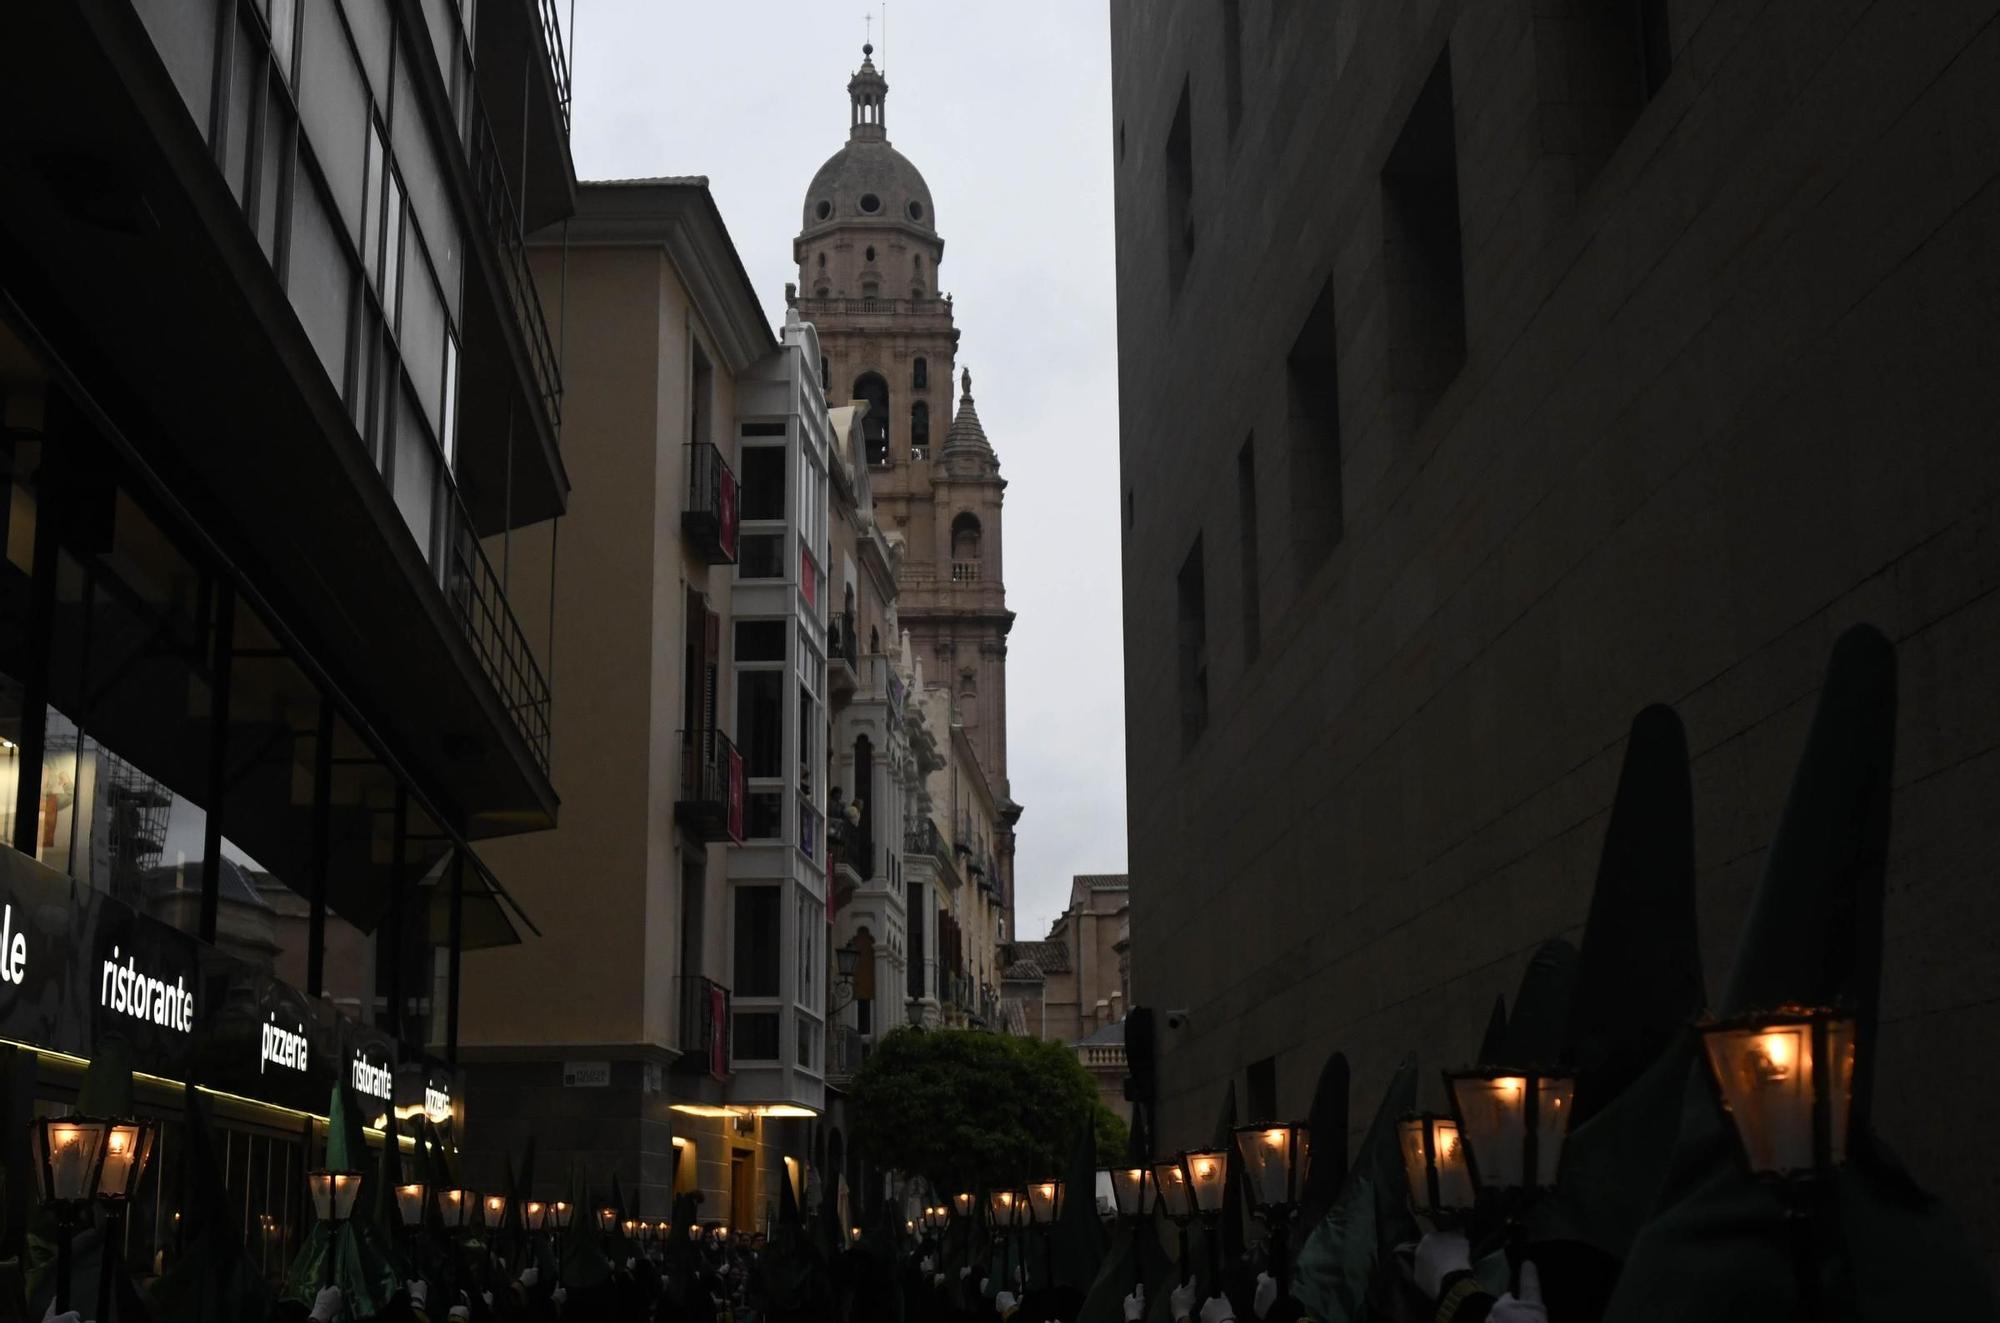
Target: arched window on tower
[920, 430]
[917, 277]
[920, 373]
[869, 386]
[965, 548]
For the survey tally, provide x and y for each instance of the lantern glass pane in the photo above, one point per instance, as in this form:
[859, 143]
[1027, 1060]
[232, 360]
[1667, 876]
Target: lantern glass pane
[1454, 1177]
[1554, 1098]
[496, 1209]
[1000, 1203]
[1171, 1189]
[607, 1219]
[457, 1206]
[1208, 1171]
[125, 1144]
[346, 1189]
[1129, 1186]
[410, 1204]
[71, 1149]
[320, 1184]
[963, 1202]
[1494, 1114]
[1045, 1202]
[559, 1212]
[1840, 1055]
[1766, 1076]
[1416, 1166]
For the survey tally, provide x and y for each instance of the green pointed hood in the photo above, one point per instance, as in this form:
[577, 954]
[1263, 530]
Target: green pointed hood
[1078, 1242]
[1538, 1027]
[1327, 1126]
[1493, 1043]
[214, 1279]
[1347, 1260]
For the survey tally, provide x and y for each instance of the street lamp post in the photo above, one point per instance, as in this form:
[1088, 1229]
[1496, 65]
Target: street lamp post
[410, 1212]
[1045, 1206]
[556, 1220]
[333, 1194]
[456, 1206]
[1132, 1199]
[1786, 1080]
[68, 1153]
[1274, 1159]
[1513, 1122]
[1176, 1200]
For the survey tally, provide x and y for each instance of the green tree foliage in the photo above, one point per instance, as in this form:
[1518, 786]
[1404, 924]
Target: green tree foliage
[969, 1109]
[1114, 1137]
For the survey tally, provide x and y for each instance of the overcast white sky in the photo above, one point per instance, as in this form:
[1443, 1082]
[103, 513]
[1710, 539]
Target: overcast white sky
[1005, 105]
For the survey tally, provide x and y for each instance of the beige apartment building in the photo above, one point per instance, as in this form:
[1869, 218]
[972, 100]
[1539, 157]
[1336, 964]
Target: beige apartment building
[588, 1041]
[1074, 985]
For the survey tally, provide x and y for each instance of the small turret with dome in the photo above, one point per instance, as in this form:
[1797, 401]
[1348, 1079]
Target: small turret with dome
[868, 230]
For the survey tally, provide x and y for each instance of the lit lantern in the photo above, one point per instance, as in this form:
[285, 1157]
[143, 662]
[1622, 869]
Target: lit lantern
[1787, 1082]
[963, 1202]
[631, 1228]
[1513, 1123]
[721, 1232]
[1170, 1188]
[532, 1213]
[495, 1206]
[558, 1215]
[936, 1219]
[607, 1220]
[1434, 1163]
[333, 1194]
[456, 1207]
[1045, 1202]
[854, 1233]
[1004, 1208]
[68, 1151]
[1132, 1190]
[410, 1204]
[1274, 1159]
[1207, 1178]
[127, 1144]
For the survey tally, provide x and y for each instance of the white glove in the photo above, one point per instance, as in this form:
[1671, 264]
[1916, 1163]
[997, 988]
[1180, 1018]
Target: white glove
[1439, 1254]
[965, 1272]
[1135, 1305]
[531, 1278]
[983, 1283]
[1006, 1304]
[927, 1265]
[937, 1281]
[420, 1292]
[631, 1262]
[67, 1316]
[1218, 1310]
[487, 1296]
[1180, 1301]
[460, 1311]
[559, 1297]
[1267, 1294]
[1525, 1307]
[326, 1305]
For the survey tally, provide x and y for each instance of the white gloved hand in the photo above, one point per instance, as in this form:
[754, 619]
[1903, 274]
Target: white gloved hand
[420, 1292]
[1135, 1305]
[984, 1282]
[965, 1272]
[460, 1311]
[631, 1262]
[927, 1265]
[1180, 1301]
[1267, 1294]
[67, 1316]
[487, 1296]
[1006, 1304]
[1218, 1310]
[1439, 1254]
[560, 1296]
[326, 1305]
[531, 1278]
[1525, 1307]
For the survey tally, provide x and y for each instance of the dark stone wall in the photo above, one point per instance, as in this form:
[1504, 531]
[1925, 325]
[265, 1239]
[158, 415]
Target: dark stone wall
[1727, 386]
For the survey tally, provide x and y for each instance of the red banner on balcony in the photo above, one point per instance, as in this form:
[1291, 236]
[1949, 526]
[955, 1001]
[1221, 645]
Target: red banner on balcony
[725, 500]
[735, 795]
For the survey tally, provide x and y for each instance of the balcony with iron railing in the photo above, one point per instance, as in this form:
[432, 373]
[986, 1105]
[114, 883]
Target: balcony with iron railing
[502, 222]
[846, 1049]
[703, 1014]
[843, 654]
[710, 803]
[923, 840]
[479, 601]
[710, 518]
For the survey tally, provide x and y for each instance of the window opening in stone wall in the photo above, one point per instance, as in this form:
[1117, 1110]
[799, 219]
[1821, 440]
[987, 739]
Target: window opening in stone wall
[920, 429]
[965, 538]
[1312, 403]
[1600, 62]
[920, 373]
[1423, 263]
[1246, 523]
[871, 387]
[1191, 610]
[1180, 192]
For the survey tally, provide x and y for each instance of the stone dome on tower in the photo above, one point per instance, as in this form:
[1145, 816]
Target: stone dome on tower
[868, 180]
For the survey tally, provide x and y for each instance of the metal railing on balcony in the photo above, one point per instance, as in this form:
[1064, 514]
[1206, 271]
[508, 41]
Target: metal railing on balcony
[558, 57]
[846, 1049]
[704, 1015]
[711, 795]
[922, 838]
[841, 643]
[477, 598]
[710, 517]
[503, 222]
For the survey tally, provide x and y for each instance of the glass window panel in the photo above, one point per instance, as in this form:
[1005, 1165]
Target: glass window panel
[284, 34]
[361, 852]
[754, 1036]
[246, 82]
[371, 25]
[760, 556]
[319, 276]
[422, 338]
[760, 717]
[415, 481]
[274, 153]
[761, 640]
[183, 32]
[762, 483]
[392, 254]
[371, 208]
[333, 103]
[424, 179]
[757, 972]
[450, 429]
